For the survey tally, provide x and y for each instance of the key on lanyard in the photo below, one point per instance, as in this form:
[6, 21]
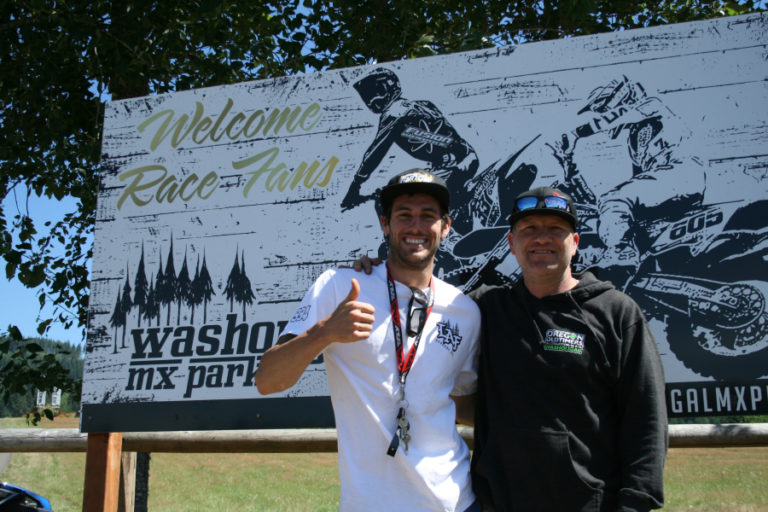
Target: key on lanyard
[403, 428]
[401, 434]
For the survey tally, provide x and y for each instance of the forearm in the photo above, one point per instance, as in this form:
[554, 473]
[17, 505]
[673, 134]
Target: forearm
[377, 150]
[282, 365]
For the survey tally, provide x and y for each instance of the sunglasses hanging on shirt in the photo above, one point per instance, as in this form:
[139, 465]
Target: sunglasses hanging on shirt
[417, 312]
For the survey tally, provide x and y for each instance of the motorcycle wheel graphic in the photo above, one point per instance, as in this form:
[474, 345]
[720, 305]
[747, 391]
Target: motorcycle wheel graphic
[733, 346]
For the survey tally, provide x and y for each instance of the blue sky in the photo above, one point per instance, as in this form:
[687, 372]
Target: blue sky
[19, 305]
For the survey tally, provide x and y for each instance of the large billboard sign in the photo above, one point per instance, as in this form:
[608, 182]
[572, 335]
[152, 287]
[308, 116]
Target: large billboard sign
[219, 207]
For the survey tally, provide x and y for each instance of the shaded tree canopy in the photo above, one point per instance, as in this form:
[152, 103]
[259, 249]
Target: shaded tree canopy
[36, 364]
[62, 59]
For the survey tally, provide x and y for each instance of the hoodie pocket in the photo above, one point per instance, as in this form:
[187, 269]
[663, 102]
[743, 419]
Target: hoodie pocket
[532, 470]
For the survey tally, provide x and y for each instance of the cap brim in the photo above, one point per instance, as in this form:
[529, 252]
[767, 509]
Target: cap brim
[437, 191]
[543, 211]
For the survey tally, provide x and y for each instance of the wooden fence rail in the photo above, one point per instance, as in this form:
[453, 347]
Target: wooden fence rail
[312, 440]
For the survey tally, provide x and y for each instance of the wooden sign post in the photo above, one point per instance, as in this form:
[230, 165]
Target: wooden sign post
[102, 472]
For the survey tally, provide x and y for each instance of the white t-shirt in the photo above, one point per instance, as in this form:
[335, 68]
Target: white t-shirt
[363, 381]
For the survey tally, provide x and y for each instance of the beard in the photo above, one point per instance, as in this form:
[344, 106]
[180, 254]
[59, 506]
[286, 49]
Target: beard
[408, 260]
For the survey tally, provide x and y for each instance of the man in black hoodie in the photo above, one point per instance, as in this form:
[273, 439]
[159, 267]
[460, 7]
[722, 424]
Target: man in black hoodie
[571, 412]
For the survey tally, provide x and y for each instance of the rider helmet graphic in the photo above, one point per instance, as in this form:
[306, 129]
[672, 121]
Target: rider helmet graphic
[379, 89]
[421, 131]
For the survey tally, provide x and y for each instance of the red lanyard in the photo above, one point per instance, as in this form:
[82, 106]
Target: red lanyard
[404, 364]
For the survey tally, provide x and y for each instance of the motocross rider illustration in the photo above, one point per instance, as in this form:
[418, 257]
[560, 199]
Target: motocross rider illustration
[655, 136]
[421, 130]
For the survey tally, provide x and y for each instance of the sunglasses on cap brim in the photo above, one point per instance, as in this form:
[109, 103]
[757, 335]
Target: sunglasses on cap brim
[554, 202]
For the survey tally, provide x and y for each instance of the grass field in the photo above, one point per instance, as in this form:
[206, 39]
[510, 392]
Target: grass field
[696, 479]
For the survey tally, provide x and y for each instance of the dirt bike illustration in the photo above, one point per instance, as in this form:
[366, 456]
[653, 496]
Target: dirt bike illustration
[492, 188]
[716, 327]
[697, 266]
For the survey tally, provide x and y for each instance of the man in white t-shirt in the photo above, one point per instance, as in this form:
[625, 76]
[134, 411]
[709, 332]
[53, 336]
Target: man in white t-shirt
[400, 350]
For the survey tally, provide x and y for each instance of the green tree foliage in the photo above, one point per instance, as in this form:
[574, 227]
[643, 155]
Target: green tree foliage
[61, 59]
[38, 363]
[350, 32]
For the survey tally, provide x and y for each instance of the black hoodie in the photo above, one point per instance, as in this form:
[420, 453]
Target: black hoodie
[571, 412]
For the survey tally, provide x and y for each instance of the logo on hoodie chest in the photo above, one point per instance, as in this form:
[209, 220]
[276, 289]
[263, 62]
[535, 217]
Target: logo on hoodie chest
[564, 341]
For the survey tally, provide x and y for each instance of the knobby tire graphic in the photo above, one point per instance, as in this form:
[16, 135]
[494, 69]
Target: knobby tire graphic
[727, 354]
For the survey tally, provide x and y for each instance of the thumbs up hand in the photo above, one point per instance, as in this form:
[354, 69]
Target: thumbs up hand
[351, 321]
[282, 365]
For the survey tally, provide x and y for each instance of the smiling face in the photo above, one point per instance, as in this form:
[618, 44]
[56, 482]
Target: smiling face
[414, 230]
[544, 246]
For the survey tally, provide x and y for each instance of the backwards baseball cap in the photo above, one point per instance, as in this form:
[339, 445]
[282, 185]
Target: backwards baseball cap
[544, 200]
[415, 181]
